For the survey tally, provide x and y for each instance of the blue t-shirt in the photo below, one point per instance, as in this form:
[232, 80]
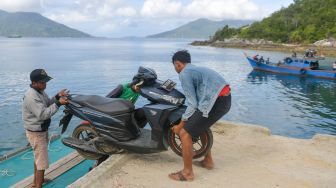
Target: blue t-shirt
[201, 87]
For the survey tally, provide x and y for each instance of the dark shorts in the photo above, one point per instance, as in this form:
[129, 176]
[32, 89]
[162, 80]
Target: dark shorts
[197, 124]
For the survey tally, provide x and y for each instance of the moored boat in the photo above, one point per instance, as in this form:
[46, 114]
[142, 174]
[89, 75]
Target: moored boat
[306, 66]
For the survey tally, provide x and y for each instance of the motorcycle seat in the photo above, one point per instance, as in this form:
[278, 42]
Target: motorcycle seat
[110, 106]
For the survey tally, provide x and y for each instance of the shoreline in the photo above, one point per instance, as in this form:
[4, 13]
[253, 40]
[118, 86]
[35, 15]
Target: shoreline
[326, 51]
[245, 156]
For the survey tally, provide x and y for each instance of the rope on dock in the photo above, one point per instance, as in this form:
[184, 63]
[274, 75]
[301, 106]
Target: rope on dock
[7, 172]
[53, 149]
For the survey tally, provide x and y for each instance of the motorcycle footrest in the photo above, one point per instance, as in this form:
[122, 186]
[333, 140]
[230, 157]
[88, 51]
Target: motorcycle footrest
[81, 145]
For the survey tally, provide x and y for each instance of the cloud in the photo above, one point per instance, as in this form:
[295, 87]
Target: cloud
[20, 5]
[120, 17]
[106, 15]
[161, 8]
[69, 17]
[223, 9]
[126, 12]
[212, 9]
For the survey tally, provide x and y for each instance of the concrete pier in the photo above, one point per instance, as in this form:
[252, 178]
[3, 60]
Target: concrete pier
[244, 155]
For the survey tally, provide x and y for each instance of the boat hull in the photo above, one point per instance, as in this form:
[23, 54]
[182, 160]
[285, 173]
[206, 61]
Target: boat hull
[299, 71]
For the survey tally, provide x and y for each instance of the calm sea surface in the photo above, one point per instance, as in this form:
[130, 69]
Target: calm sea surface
[288, 105]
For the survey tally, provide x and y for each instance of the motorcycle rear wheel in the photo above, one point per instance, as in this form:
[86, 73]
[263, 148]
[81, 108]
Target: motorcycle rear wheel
[87, 133]
[201, 145]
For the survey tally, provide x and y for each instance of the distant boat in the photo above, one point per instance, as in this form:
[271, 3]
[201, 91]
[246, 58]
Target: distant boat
[306, 66]
[14, 36]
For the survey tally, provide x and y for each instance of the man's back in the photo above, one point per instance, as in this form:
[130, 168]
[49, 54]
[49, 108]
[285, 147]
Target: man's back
[202, 86]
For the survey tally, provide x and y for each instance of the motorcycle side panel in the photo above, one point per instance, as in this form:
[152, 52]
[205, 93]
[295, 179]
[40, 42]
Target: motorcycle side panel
[119, 127]
[157, 116]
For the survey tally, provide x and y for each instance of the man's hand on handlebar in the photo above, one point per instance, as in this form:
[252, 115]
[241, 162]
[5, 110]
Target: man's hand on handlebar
[63, 100]
[63, 93]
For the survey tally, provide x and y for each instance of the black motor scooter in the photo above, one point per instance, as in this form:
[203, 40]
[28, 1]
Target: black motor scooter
[112, 124]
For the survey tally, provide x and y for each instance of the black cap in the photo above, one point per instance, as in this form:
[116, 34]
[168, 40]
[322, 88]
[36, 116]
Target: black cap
[39, 75]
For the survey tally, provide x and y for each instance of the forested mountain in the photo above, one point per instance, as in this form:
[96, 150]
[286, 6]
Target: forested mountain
[304, 21]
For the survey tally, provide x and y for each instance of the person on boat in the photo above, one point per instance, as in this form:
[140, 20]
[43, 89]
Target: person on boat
[255, 58]
[308, 53]
[267, 60]
[294, 55]
[37, 109]
[261, 60]
[334, 66]
[279, 63]
[208, 98]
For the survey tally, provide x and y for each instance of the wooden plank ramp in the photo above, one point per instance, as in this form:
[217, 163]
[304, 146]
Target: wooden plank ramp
[55, 170]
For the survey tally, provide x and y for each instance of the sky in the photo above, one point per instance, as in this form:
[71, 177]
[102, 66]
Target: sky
[118, 18]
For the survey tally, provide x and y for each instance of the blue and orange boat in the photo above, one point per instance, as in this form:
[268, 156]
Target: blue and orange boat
[308, 66]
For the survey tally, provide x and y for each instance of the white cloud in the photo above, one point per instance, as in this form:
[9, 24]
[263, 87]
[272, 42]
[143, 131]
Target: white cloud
[120, 17]
[70, 17]
[108, 13]
[223, 9]
[212, 9]
[160, 8]
[20, 5]
[126, 12]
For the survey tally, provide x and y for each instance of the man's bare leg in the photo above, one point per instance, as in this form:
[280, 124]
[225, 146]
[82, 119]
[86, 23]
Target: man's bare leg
[39, 178]
[187, 154]
[34, 180]
[207, 162]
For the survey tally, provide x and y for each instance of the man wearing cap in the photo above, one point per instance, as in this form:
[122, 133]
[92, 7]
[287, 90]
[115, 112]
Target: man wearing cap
[37, 110]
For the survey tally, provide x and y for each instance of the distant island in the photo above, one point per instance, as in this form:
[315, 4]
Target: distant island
[29, 24]
[201, 28]
[304, 24]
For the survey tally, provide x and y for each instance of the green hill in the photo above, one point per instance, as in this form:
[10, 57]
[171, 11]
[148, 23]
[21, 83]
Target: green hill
[201, 28]
[28, 24]
[304, 21]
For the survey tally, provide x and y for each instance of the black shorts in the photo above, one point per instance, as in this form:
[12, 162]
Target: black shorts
[197, 124]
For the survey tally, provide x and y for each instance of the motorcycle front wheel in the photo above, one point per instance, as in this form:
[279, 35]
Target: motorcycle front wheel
[201, 145]
[87, 133]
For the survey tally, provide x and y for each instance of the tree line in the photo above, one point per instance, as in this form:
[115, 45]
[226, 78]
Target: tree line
[304, 21]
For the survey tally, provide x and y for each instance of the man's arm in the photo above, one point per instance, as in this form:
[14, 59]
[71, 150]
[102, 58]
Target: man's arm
[191, 101]
[116, 92]
[37, 107]
[53, 100]
[190, 93]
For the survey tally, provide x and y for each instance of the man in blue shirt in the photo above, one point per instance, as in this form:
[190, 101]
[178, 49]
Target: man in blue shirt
[208, 98]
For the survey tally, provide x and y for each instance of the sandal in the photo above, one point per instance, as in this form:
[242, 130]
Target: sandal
[178, 176]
